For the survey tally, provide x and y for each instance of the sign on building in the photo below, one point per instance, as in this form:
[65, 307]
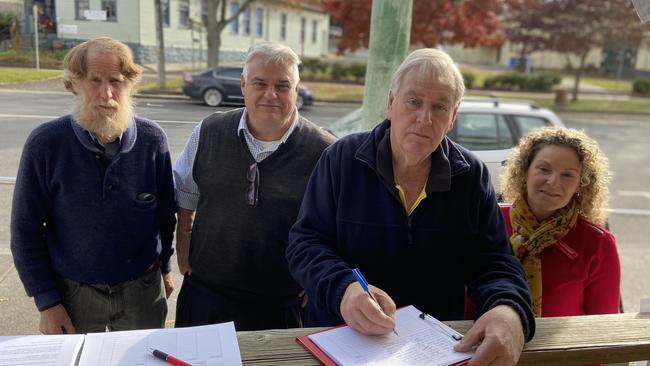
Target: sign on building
[95, 15]
[68, 28]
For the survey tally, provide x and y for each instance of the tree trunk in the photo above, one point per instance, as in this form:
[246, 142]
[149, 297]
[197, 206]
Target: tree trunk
[213, 31]
[161, 43]
[583, 57]
[216, 25]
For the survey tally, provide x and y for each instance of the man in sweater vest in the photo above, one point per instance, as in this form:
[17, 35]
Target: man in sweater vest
[93, 212]
[239, 185]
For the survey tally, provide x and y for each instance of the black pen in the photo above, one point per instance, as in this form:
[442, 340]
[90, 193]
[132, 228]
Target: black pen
[168, 358]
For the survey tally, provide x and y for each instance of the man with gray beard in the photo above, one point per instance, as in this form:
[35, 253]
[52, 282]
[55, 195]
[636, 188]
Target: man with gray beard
[93, 211]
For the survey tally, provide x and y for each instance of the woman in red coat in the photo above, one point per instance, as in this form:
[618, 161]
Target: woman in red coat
[557, 182]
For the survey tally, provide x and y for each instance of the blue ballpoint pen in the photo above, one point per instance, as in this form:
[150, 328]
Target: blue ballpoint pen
[364, 285]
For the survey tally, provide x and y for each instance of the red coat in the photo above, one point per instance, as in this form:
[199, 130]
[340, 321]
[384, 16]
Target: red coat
[581, 273]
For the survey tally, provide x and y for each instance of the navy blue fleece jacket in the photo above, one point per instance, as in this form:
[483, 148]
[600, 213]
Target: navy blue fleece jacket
[351, 216]
[79, 216]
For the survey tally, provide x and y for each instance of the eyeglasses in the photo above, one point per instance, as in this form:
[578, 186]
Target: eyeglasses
[253, 176]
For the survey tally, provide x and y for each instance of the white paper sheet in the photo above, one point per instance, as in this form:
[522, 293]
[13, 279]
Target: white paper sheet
[206, 345]
[420, 342]
[51, 350]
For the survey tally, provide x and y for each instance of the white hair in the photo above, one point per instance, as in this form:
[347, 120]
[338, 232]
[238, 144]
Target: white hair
[272, 53]
[431, 63]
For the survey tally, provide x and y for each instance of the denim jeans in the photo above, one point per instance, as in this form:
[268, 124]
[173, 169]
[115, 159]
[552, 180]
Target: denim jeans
[136, 304]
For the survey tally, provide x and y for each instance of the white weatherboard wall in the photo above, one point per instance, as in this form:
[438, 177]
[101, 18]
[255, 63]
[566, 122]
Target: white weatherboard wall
[136, 25]
[125, 28]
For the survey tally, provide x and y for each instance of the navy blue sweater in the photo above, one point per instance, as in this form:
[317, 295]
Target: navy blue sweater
[351, 216]
[93, 221]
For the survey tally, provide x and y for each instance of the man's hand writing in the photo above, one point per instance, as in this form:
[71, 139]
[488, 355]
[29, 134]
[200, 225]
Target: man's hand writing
[364, 315]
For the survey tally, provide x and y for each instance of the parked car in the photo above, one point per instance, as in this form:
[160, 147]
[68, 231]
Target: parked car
[489, 127]
[221, 85]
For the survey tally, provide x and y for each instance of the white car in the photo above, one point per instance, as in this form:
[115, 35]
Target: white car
[489, 127]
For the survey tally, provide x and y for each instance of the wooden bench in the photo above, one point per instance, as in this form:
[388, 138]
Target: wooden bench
[575, 340]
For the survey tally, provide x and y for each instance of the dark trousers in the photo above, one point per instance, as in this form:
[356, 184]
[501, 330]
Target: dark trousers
[136, 304]
[199, 305]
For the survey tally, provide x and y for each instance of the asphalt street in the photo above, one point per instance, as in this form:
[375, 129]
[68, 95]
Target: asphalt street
[622, 137]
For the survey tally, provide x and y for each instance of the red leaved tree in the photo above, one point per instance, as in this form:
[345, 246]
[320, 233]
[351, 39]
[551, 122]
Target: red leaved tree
[573, 27]
[471, 23]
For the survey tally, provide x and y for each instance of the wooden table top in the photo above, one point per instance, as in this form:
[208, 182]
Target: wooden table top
[575, 340]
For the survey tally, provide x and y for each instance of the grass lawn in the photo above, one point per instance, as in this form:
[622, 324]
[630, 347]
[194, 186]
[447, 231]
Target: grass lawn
[171, 85]
[606, 83]
[334, 91]
[12, 75]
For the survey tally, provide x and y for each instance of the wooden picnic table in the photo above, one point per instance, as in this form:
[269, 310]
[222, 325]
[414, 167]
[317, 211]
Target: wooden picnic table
[575, 340]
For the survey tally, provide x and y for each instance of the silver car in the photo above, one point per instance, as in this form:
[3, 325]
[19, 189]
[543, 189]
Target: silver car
[487, 126]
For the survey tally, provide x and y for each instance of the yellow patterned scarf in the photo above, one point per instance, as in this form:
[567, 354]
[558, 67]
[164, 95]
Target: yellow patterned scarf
[530, 237]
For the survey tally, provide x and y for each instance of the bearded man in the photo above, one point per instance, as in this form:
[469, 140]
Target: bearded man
[93, 211]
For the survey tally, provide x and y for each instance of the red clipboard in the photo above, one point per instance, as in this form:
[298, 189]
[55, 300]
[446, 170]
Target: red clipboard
[315, 350]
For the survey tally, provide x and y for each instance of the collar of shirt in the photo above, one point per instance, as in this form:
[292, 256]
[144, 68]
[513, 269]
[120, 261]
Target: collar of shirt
[439, 179]
[257, 147]
[96, 140]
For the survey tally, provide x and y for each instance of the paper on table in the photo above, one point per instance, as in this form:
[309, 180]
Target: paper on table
[202, 345]
[420, 342]
[54, 350]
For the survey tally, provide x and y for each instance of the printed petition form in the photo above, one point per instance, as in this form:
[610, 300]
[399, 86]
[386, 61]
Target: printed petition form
[53, 350]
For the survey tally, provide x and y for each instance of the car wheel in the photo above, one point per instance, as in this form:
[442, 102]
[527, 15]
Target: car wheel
[299, 102]
[212, 97]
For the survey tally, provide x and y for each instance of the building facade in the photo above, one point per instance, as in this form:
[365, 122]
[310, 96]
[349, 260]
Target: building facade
[302, 27]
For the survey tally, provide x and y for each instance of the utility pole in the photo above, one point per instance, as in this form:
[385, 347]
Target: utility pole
[390, 35]
[161, 43]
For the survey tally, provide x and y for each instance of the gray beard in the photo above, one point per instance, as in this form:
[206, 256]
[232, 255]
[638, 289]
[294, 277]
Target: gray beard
[106, 126]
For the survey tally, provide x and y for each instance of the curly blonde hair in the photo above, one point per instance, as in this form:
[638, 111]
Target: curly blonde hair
[594, 180]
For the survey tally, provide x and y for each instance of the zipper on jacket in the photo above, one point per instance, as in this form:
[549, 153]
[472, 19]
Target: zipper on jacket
[393, 192]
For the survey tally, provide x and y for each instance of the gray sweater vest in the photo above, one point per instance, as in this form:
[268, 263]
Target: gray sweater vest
[238, 250]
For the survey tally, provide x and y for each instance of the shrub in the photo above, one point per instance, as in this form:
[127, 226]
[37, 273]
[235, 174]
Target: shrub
[519, 81]
[358, 71]
[339, 71]
[311, 67]
[641, 86]
[469, 79]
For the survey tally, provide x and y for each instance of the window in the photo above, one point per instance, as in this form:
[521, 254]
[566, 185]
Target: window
[247, 21]
[80, 7]
[259, 21]
[477, 131]
[527, 124]
[283, 26]
[234, 73]
[234, 25]
[110, 7]
[303, 30]
[314, 30]
[164, 4]
[204, 12]
[183, 13]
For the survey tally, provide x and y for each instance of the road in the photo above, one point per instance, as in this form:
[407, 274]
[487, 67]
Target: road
[622, 137]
